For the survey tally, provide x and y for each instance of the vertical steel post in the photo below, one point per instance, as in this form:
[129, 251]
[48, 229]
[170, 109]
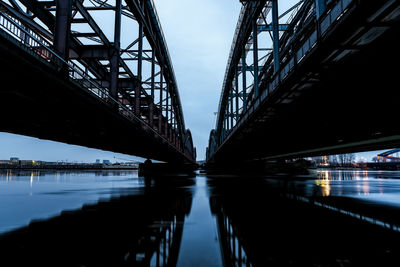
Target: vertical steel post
[244, 83]
[225, 126]
[275, 34]
[319, 7]
[171, 113]
[236, 95]
[255, 57]
[139, 65]
[166, 110]
[63, 28]
[24, 36]
[231, 111]
[161, 101]
[114, 61]
[151, 106]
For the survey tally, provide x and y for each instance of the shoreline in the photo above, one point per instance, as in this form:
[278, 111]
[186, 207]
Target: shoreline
[68, 167]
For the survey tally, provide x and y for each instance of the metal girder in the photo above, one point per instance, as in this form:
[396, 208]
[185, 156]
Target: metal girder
[275, 35]
[307, 55]
[319, 7]
[269, 28]
[106, 63]
[85, 14]
[243, 30]
[122, 83]
[91, 51]
[249, 78]
[63, 27]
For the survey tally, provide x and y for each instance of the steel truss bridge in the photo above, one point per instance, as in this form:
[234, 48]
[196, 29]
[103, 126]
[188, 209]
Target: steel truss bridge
[391, 156]
[94, 73]
[309, 81]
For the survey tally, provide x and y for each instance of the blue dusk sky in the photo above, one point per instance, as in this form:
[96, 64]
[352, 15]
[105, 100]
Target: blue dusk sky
[199, 36]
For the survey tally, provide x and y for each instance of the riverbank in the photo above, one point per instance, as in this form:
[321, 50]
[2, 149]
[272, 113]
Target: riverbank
[366, 166]
[69, 166]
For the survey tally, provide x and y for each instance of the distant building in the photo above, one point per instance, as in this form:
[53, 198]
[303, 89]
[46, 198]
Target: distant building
[106, 161]
[98, 161]
[14, 159]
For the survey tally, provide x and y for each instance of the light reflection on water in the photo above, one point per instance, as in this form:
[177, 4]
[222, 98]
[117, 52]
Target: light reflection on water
[378, 186]
[203, 221]
[37, 194]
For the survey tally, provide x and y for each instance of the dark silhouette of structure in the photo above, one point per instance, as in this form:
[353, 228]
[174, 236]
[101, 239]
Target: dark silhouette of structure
[65, 79]
[391, 156]
[308, 81]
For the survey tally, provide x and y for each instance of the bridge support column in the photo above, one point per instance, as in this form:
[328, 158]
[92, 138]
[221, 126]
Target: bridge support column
[275, 34]
[151, 106]
[160, 121]
[244, 83]
[63, 28]
[114, 62]
[166, 112]
[319, 7]
[161, 102]
[231, 107]
[255, 57]
[236, 96]
[139, 65]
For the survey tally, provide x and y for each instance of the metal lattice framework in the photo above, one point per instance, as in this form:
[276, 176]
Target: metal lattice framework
[251, 63]
[266, 47]
[391, 155]
[127, 65]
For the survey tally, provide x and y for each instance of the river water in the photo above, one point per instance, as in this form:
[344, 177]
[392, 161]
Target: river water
[115, 218]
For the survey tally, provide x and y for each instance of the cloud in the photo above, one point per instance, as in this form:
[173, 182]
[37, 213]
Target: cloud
[199, 36]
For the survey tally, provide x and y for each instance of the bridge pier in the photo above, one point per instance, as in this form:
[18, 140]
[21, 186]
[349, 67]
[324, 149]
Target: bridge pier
[149, 169]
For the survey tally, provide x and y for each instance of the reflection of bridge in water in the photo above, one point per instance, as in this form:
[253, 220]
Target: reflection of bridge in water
[137, 230]
[269, 223]
[233, 253]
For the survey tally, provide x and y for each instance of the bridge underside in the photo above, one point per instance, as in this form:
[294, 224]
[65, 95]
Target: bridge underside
[36, 101]
[341, 98]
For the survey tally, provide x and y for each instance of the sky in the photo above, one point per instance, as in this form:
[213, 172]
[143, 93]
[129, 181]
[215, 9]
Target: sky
[199, 36]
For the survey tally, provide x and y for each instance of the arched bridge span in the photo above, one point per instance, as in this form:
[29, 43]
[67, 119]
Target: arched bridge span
[93, 73]
[309, 81]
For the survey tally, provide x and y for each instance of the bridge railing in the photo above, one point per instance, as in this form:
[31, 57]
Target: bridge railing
[43, 48]
[24, 36]
[308, 44]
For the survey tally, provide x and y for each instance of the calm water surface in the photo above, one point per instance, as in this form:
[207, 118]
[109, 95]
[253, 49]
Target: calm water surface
[27, 195]
[115, 218]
